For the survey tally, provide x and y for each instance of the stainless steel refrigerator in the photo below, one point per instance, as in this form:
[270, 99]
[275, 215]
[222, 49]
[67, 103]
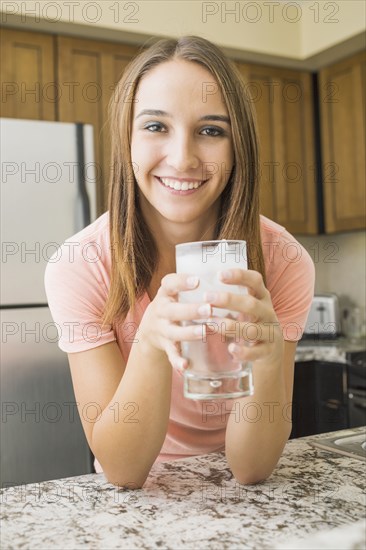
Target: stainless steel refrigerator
[48, 193]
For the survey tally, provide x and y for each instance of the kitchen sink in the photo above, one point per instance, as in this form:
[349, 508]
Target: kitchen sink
[353, 444]
[352, 440]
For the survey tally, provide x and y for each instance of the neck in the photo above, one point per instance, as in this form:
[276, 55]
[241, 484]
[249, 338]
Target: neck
[167, 234]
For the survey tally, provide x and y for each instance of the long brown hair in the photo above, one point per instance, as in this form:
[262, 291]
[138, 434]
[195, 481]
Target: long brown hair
[134, 251]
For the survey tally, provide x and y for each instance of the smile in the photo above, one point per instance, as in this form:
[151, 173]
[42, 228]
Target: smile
[181, 185]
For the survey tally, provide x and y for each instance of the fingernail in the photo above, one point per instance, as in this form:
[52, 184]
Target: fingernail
[180, 363]
[192, 282]
[210, 296]
[204, 310]
[234, 348]
[225, 275]
[200, 330]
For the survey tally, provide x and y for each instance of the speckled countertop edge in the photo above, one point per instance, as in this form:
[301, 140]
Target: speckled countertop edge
[190, 503]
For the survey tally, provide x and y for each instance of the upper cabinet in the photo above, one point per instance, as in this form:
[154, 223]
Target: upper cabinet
[88, 71]
[342, 110]
[47, 77]
[69, 79]
[283, 100]
[27, 75]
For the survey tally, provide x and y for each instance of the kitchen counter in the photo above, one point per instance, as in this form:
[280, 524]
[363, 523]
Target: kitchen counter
[334, 351]
[194, 503]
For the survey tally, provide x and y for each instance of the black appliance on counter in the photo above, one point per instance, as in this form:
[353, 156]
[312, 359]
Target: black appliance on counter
[329, 396]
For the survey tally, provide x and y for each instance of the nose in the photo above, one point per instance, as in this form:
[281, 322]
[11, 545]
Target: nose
[181, 153]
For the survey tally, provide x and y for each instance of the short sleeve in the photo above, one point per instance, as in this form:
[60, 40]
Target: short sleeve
[292, 276]
[76, 295]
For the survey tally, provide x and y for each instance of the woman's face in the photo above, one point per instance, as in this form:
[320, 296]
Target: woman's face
[181, 151]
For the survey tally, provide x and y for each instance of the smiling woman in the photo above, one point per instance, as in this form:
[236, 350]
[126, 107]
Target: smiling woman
[180, 101]
[184, 168]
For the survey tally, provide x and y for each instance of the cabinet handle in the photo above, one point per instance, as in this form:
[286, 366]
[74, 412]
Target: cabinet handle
[357, 400]
[333, 404]
[359, 403]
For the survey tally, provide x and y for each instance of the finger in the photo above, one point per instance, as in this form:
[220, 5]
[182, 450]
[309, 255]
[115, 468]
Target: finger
[173, 352]
[191, 332]
[248, 278]
[238, 331]
[173, 283]
[175, 311]
[250, 353]
[246, 304]
[246, 333]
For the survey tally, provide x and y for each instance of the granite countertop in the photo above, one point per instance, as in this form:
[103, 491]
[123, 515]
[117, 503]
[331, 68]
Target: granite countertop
[334, 351]
[195, 503]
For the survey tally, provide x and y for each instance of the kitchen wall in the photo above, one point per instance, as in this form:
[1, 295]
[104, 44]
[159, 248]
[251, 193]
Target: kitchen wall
[324, 24]
[291, 30]
[340, 264]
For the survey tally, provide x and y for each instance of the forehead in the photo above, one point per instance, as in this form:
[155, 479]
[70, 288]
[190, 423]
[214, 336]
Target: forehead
[177, 82]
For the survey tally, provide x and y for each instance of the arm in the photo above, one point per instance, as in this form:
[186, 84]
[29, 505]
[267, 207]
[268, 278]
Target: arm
[124, 421]
[254, 447]
[133, 400]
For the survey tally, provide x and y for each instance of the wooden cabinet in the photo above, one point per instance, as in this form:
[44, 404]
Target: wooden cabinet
[69, 79]
[27, 75]
[88, 71]
[342, 109]
[283, 100]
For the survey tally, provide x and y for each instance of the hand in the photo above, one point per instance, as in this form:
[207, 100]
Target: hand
[258, 335]
[160, 327]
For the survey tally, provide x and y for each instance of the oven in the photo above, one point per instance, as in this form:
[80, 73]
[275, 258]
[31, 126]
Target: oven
[329, 396]
[356, 384]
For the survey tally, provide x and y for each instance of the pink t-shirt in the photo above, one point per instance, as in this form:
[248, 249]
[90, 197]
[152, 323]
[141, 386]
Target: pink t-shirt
[77, 279]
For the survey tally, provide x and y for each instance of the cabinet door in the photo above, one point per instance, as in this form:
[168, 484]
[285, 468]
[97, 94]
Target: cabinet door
[88, 71]
[304, 400]
[283, 100]
[342, 109]
[332, 396]
[319, 398]
[27, 75]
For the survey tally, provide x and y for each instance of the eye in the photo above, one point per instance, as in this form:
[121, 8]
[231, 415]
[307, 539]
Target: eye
[151, 126]
[214, 131]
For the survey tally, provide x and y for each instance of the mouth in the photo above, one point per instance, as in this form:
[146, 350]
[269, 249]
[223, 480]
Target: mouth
[181, 187]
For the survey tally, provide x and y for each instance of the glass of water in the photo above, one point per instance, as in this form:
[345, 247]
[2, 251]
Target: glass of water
[212, 371]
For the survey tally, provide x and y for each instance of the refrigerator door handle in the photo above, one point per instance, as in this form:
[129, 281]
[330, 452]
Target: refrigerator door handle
[82, 214]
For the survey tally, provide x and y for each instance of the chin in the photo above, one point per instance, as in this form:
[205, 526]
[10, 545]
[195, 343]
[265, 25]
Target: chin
[179, 218]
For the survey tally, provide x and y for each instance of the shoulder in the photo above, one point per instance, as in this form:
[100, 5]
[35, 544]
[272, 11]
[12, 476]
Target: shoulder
[97, 231]
[77, 278]
[272, 231]
[82, 256]
[282, 252]
[89, 244]
[290, 277]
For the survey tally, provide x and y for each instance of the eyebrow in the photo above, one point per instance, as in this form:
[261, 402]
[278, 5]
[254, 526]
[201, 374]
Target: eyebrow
[158, 112]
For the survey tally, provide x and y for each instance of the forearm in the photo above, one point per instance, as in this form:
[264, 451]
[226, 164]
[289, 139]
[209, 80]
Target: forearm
[128, 436]
[255, 438]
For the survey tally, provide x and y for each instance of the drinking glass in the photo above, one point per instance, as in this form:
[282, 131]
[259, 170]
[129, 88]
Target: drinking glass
[212, 371]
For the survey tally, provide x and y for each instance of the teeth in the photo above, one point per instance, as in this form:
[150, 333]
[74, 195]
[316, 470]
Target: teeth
[180, 185]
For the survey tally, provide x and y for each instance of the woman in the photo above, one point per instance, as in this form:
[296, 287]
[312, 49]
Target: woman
[180, 121]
